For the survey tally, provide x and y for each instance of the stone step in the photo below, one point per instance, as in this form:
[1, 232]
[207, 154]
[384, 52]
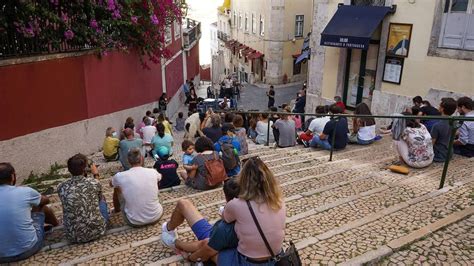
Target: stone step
[149, 249]
[451, 245]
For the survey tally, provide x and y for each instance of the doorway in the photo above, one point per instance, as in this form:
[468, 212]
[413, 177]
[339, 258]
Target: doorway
[360, 74]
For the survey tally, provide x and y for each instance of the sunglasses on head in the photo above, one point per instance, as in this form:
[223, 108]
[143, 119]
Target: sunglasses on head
[251, 158]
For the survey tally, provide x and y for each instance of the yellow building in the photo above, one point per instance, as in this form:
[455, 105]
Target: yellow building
[385, 52]
[265, 38]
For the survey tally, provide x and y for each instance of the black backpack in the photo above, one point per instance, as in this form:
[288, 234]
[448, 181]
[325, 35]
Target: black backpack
[230, 158]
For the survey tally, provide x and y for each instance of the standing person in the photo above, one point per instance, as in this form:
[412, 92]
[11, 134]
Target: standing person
[192, 101]
[136, 192]
[228, 88]
[271, 97]
[167, 168]
[228, 145]
[186, 89]
[262, 129]
[110, 147]
[85, 213]
[464, 145]
[286, 130]
[126, 144]
[363, 129]
[163, 102]
[23, 214]
[316, 126]
[441, 132]
[241, 134]
[161, 139]
[415, 147]
[300, 104]
[197, 178]
[324, 140]
[260, 194]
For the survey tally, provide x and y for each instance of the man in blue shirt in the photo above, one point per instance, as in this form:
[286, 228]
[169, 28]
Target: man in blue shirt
[22, 217]
[223, 145]
[464, 145]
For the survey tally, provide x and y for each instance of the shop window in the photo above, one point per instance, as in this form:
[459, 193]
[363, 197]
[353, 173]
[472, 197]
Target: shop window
[299, 25]
[246, 22]
[296, 68]
[240, 20]
[457, 28]
[235, 20]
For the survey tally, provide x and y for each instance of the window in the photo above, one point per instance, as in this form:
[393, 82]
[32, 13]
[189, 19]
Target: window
[235, 19]
[262, 32]
[246, 22]
[177, 30]
[240, 20]
[457, 29]
[296, 68]
[254, 24]
[168, 37]
[299, 24]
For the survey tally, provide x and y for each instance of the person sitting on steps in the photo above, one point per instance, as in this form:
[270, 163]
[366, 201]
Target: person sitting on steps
[363, 129]
[110, 147]
[441, 132]
[464, 145]
[229, 147]
[316, 126]
[335, 125]
[23, 214]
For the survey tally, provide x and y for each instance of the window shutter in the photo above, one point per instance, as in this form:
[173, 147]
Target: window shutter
[469, 40]
[454, 26]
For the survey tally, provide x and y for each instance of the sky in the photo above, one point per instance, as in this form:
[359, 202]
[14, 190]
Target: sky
[204, 11]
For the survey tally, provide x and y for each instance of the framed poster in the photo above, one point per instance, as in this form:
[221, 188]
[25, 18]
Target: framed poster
[393, 69]
[399, 37]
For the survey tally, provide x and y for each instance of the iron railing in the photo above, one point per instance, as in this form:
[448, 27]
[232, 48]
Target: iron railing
[453, 124]
[191, 33]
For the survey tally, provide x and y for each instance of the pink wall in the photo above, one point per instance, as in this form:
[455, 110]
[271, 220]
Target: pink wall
[193, 62]
[174, 76]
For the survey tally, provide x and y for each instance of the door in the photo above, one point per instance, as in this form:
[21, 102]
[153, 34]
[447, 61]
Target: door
[360, 75]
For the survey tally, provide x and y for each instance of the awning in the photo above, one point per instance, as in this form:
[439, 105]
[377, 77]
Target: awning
[255, 55]
[306, 43]
[353, 26]
[304, 55]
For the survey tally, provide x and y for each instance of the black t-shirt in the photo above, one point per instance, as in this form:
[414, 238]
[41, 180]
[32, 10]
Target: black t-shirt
[169, 176]
[440, 132]
[271, 95]
[341, 132]
[429, 110]
[214, 133]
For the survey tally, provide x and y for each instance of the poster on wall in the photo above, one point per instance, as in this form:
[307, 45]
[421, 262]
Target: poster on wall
[393, 70]
[399, 37]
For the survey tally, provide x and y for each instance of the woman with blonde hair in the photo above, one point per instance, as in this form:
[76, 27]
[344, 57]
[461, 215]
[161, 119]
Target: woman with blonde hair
[260, 196]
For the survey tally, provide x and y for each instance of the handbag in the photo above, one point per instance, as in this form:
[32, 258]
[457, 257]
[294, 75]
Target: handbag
[289, 258]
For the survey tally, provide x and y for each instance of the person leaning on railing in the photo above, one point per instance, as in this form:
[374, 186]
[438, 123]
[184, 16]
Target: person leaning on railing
[464, 145]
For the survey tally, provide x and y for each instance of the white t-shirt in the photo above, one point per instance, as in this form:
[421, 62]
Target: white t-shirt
[139, 188]
[317, 125]
[366, 133]
[148, 133]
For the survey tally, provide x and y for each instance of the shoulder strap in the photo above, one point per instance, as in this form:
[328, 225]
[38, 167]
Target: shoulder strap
[260, 229]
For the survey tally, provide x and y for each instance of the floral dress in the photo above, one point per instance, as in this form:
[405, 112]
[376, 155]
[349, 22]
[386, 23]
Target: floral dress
[420, 146]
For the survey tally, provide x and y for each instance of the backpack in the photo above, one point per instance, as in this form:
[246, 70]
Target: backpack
[230, 158]
[216, 173]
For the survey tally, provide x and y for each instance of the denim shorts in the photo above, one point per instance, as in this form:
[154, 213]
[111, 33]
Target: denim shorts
[230, 257]
[202, 229]
[38, 224]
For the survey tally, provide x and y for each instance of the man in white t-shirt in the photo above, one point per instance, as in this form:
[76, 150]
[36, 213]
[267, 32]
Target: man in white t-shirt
[148, 132]
[316, 126]
[136, 192]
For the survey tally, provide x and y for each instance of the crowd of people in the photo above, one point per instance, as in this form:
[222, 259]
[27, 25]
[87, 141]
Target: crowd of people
[211, 158]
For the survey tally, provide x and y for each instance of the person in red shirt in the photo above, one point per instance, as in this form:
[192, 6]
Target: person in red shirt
[339, 103]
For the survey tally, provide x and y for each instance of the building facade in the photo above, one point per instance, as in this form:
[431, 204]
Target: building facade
[214, 39]
[264, 39]
[395, 50]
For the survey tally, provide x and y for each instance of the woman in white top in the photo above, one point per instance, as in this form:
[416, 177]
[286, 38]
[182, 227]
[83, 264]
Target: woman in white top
[262, 129]
[260, 192]
[363, 129]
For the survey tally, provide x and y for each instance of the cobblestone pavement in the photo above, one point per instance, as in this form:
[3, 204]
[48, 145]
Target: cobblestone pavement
[453, 245]
[353, 201]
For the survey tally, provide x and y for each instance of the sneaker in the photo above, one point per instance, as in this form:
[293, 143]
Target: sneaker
[168, 237]
[305, 143]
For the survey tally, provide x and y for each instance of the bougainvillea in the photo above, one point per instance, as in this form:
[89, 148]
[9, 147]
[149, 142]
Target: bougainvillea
[127, 25]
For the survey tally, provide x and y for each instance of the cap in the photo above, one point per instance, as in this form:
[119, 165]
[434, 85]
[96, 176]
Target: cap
[163, 152]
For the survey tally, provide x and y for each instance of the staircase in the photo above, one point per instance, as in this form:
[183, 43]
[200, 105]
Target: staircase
[348, 211]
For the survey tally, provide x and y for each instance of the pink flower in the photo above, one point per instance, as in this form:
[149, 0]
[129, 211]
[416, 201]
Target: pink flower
[134, 19]
[69, 34]
[94, 24]
[111, 5]
[116, 14]
[64, 17]
[154, 19]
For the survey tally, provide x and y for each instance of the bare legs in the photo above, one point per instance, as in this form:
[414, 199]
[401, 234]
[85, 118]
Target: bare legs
[185, 210]
[49, 217]
[116, 199]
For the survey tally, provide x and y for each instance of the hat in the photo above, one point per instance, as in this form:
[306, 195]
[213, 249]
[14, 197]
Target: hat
[163, 152]
[227, 127]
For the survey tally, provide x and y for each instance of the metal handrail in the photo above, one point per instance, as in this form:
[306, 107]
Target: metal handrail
[451, 119]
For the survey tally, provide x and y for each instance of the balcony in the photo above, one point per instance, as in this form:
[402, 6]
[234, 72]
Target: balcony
[191, 33]
[222, 36]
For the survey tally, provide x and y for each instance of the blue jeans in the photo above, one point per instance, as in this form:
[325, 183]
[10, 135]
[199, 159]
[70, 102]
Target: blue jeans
[318, 142]
[38, 223]
[104, 210]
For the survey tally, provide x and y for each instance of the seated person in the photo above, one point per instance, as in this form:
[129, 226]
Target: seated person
[363, 129]
[441, 132]
[197, 178]
[148, 132]
[111, 145]
[180, 122]
[136, 192]
[415, 147]
[85, 214]
[23, 214]
[262, 130]
[241, 134]
[161, 139]
[427, 110]
[211, 239]
[163, 120]
[188, 148]
[229, 147]
[316, 126]
[214, 132]
[324, 140]
[126, 144]
[464, 145]
[286, 131]
[167, 168]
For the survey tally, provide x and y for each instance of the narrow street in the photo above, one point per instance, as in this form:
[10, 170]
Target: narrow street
[255, 98]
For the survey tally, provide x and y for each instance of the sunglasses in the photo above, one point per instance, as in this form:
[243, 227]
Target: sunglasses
[251, 158]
